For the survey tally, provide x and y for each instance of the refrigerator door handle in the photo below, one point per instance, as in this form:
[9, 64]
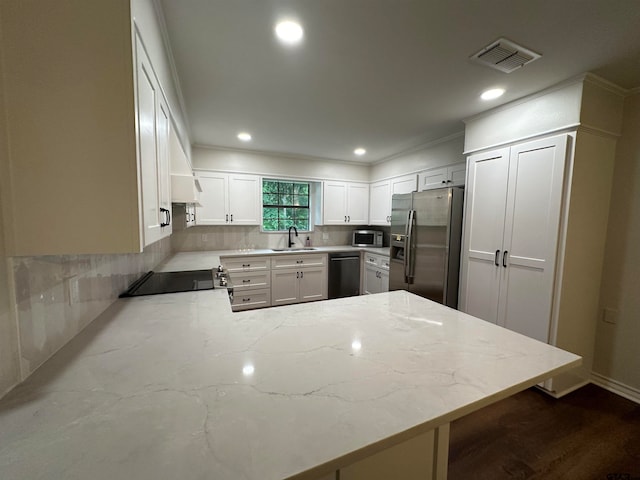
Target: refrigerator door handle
[408, 252]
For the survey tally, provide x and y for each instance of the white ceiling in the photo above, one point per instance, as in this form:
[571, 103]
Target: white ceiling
[387, 75]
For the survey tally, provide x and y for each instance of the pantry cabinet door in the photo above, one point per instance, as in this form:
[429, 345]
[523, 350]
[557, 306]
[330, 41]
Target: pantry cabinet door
[483, 233]
[532, 222]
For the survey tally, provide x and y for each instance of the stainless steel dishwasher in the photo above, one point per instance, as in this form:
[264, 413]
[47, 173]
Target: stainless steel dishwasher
[344, 274]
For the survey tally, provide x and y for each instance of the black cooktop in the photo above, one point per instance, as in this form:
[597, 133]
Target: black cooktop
[153, 283]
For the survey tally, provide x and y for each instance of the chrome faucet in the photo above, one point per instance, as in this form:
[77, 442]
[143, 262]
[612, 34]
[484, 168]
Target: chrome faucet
[291, 241]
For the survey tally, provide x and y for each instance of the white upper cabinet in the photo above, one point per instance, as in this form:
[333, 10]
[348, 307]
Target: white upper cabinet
[228, 199]
[381, 194]
[450, 176]
[96, 110]
[153, 150]
[380, 203]
[345, 203]
[512, 222]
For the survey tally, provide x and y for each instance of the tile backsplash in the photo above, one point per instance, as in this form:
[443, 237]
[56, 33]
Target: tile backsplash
[201, 238]
[57, 296]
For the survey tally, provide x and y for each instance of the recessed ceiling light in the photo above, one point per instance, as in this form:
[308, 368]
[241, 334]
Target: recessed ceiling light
[244, 136]
[492, 94]
[289, 32]
[359, 151]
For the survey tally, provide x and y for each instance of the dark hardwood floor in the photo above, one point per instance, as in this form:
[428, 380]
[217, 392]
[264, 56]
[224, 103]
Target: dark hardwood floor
[588, 434]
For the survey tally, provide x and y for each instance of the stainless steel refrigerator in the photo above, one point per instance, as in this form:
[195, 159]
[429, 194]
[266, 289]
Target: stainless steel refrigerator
[426, 232]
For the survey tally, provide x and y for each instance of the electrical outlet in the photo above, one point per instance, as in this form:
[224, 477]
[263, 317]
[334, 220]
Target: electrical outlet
[204, 237]
[325, 236]
[610, 315]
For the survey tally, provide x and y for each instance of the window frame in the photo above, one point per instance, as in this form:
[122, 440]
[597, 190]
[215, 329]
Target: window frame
[309, 207]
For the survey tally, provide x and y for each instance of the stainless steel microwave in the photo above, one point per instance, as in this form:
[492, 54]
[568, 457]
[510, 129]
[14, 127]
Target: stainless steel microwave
[366, 238]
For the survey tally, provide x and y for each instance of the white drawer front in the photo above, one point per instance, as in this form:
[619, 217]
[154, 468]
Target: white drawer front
[245, 264]
[298, 261]
[250, 280]
[249, 299]
[371, 259]
[384, 263]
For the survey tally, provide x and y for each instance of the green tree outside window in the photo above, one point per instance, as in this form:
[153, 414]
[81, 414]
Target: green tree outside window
[284, 204]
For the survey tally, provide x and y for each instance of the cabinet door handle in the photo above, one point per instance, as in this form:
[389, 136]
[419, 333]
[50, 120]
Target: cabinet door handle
[168, 217]
[232, 217]
[349, 217]
[345, 219]
[495, 260]
[504, 259]
[301, 274]
[297, 274]
[226, 218]
[444, 181]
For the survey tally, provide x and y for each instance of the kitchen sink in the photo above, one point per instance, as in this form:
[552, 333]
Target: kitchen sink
[292, 249]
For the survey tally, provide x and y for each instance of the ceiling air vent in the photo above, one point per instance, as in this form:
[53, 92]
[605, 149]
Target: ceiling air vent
[505, 56]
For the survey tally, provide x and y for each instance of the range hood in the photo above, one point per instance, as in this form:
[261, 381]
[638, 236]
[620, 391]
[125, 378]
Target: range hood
[184, 188]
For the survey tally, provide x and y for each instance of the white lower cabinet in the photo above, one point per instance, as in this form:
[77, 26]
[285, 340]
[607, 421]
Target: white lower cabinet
[298, 278]
[251, 281]
[250, 299]
[376, 273]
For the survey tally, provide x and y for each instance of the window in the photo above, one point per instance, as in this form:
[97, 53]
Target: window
[284, 204]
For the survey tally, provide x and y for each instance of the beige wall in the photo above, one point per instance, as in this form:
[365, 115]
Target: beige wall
[9, 366]
[273, 164]
[438, 154]
[616, 353]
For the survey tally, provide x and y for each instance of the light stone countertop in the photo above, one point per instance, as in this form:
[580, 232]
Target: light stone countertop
[177, 386]
[211, 259]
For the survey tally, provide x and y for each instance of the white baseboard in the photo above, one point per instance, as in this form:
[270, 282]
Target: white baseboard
[616, 387]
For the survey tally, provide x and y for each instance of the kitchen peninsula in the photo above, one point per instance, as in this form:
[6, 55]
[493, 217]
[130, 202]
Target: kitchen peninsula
[178, 386]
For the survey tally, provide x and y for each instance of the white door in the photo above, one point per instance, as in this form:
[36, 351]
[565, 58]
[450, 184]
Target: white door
[404, 184]
[312, 284]
[164, 174]
[486, 197]
[380, 203]
[358, 204]
[536, 172]
[371, 281]
[147, 146]
[434, 178]
[456, 174]
[245, 205]
[284, 287]
[384, 280]
[213, 208]
[335, 203]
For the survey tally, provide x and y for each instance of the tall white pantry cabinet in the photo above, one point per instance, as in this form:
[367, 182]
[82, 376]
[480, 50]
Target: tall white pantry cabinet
[536, 209]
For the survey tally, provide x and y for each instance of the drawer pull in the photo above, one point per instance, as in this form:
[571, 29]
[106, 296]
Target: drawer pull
[246, 281]
[246, 299]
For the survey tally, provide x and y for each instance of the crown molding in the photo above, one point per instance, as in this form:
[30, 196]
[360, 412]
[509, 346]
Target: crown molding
[422, 146]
